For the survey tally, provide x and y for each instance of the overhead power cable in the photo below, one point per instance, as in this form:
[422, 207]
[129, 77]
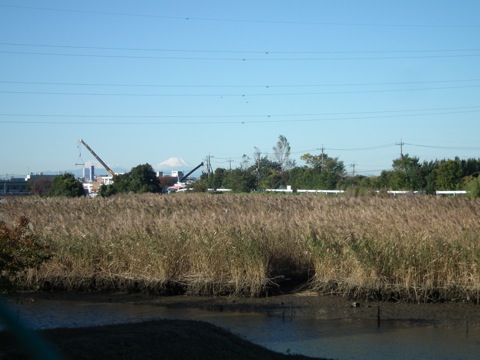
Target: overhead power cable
[417, 112]
[234, 20]
[235, 86]
[204, 122]
[233, 95]
[223, 51]
[238, 59]
[375, 147]
[443, 147]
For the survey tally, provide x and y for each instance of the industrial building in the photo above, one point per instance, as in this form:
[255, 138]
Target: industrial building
[31, 184]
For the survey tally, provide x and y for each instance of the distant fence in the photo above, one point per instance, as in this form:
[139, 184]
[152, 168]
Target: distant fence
[451, 192]
[321, 191]
[289, 189]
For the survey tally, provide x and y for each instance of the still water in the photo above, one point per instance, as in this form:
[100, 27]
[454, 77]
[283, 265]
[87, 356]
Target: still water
[287, 333]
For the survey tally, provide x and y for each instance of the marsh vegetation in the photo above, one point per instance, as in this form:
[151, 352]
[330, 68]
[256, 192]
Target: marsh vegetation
[381, 248]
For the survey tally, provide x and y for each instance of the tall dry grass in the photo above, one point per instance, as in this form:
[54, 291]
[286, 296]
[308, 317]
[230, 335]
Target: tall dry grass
[411, 248]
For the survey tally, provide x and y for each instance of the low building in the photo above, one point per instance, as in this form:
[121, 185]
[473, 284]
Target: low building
[39, 184]
[14, 186]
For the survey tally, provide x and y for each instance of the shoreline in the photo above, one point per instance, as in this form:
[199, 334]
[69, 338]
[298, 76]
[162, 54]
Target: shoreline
[304, 303]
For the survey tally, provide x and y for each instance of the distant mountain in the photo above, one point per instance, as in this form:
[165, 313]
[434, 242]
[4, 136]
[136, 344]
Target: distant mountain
[172, 163]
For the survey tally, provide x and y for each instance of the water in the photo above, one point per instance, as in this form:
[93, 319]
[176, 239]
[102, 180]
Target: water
[287, 333]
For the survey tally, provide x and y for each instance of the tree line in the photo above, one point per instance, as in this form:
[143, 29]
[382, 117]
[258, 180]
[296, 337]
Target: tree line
[323, 172]
[320, 172]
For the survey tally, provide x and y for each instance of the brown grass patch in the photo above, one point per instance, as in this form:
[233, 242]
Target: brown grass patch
[411, 248]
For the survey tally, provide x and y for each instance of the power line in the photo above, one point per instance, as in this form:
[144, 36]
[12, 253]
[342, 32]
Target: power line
[443, 147]
[237, 59]
[365, 148]
[262, 52]
[268, 86]
[233, 20]
[437, 111]
[269, 119]
[233, 95]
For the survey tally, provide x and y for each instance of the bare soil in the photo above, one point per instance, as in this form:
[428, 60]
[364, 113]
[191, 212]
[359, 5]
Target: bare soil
[176, 339]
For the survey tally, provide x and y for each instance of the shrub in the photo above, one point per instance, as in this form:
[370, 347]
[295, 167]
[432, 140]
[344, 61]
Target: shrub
[66, 185]
[20, 250]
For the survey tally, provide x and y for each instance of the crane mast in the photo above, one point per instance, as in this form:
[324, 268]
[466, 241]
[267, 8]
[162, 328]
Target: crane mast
[110, 171]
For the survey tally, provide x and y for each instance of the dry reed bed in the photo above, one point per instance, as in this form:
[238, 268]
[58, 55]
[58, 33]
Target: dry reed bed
[407, 248]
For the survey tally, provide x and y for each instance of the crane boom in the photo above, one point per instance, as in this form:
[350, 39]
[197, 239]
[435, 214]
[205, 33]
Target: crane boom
[190, 173]
[110, 171]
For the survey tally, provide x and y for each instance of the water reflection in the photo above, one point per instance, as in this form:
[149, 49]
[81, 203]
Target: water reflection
[289, 333]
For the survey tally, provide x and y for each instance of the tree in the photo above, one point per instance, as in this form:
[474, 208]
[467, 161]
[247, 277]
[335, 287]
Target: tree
[406, 174]
[332, 173]
[448, 175]
[323, 172]
[267, 173]
[314, 161]
[218, 177]
[428, 174]
[141, 179]
[66, 185]
[281, 153]
[472, 185]
[239, 180]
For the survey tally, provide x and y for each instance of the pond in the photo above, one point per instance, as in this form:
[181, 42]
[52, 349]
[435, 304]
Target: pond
[287, 331]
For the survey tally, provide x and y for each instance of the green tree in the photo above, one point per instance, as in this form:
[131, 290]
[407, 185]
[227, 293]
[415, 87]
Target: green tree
[239, 180]
[141, 179]
[448, 175]
[472, 185]
[323, 172]
[406, 174]
[218, 177]
[428, 170]
[66, 185]
[268, 173]
[314, 161]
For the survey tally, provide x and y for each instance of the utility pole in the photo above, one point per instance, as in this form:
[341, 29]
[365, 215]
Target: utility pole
[401, 143]
[230, 161]
[353, 169]
[322, 157]
[209, 164]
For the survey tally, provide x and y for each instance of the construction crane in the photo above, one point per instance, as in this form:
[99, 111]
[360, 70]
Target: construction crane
[110, 171]
[180, 185]
[190, 173]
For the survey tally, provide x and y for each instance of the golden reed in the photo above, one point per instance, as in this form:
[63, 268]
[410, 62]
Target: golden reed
[413, 248]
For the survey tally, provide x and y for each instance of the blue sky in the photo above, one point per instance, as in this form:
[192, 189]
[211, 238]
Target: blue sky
[145, 81]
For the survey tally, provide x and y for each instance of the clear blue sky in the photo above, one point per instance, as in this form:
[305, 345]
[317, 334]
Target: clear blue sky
[144, 81]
